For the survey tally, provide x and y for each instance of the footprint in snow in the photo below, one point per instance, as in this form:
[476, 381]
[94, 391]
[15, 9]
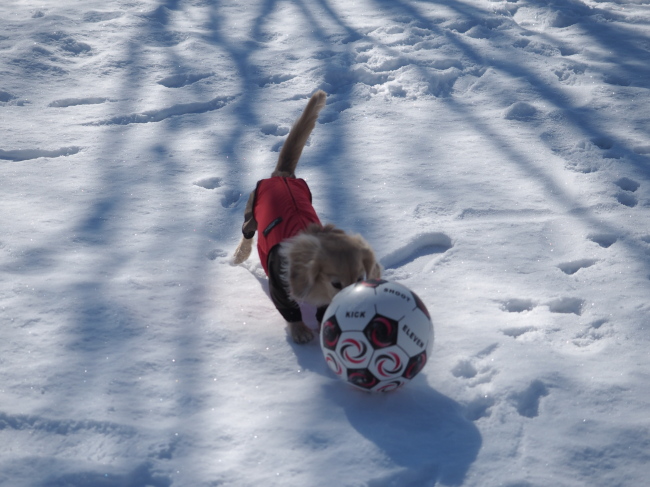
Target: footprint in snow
[442, 83]
[278, 131]
[472, 28]
[520, 111]
[274, 129]
[516, 305]
[28, 154]
[479, 32]
[209, 182]
[6, 97]
[627, 184]
[607, 145]
[473, 371]
[527, 401]
[68, 44]
[72, 102]
[216, 253]
[464, 369]
[605, 240]
[180, 80]
[230, 198]
[476, 371]
[585, 148]
[627, 199]
[574, 266]
[566, 305]
[604, 143]
[275, 79]
[333, 111]
[625, 196]
[473, 367]
[461, 25]
[416, 256]
[517, 331]
[594, 333]
[152, 116]
[479, 407]
[569, 73]
[559, 305]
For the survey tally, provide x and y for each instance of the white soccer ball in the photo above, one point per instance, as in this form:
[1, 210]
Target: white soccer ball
[377, 335]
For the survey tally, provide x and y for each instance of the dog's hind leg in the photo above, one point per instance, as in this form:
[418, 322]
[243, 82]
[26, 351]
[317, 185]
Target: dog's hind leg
[293, 146]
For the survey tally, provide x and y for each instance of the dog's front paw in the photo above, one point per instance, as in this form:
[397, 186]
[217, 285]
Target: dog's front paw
[243, 251]
[300, 333]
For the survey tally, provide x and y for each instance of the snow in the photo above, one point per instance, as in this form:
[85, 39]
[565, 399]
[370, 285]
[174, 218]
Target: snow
[496, 154]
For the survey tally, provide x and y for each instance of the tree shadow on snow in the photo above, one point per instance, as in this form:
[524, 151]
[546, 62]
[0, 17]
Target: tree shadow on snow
[138, 477]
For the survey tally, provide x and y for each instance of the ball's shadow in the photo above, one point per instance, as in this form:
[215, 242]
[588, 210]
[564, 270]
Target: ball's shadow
[419, 429]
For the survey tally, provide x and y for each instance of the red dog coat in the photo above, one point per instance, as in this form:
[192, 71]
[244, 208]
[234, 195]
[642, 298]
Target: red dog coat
[282, 209]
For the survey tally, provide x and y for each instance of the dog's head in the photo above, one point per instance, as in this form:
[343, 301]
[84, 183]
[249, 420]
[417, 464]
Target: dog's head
[323, 260]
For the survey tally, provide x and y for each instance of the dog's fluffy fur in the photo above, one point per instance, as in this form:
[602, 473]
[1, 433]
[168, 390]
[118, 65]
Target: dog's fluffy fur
[323, 260]
[319, 261]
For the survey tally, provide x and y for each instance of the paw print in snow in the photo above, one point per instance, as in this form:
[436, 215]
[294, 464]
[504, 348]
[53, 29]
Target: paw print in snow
[628, 187]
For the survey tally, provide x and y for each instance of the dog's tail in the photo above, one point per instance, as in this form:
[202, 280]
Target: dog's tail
[298, 136]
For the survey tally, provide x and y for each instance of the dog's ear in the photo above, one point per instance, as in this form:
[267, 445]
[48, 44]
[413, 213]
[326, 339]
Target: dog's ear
[370, 264]
[303, 254]
[371, 267]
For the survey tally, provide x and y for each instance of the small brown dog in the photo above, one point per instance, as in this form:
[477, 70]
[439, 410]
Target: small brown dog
[304, 261]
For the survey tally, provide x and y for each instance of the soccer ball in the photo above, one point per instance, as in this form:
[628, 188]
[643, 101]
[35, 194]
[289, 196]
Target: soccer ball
[377, 335]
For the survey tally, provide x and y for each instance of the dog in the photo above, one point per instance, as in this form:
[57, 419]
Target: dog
[305, 261]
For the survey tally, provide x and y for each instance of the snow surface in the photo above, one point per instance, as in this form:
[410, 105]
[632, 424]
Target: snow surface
[495, 153]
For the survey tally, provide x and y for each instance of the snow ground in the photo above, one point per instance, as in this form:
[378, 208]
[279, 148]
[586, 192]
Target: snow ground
[495, 153]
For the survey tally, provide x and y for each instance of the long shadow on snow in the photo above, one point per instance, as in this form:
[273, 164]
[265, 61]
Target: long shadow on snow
[632, 61]
[102, 325]
[140, 476]
[577, 116]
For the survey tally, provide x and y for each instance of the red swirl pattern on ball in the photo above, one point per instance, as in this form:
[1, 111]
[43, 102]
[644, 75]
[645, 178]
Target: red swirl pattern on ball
[388, 364]
[382, 329]
[331, 334]
[362, 378]
[415, 365]
[354, 351]
[334, 364]
[389, 387]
